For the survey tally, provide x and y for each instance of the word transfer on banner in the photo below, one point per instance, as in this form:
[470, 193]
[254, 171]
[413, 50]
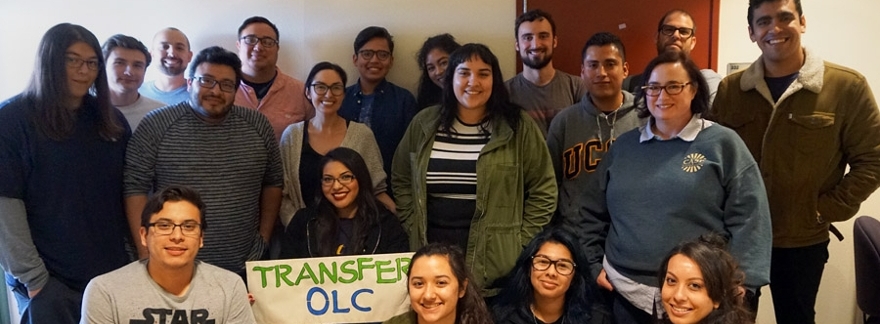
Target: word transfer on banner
[347, 289]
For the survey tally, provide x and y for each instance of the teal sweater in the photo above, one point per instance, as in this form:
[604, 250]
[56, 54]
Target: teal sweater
[656, 194]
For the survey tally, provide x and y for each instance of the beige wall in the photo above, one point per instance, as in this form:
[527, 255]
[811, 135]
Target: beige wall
[842, 32]
[311, 31]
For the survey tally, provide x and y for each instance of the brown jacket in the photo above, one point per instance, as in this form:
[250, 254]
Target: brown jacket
[826, 119]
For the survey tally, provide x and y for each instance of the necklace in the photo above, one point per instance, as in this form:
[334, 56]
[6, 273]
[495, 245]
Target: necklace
[608, 122]
[535, 318]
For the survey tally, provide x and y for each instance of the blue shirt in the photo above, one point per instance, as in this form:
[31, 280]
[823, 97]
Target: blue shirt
[392, 109]
[173, 97]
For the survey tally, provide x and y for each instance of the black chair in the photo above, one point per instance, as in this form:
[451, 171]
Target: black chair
[866, 240]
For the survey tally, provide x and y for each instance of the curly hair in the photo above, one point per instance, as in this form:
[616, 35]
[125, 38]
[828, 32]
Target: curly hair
[721, 276]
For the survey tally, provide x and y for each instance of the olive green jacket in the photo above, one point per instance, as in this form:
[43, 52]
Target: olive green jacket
[826, 119]
[516, 193]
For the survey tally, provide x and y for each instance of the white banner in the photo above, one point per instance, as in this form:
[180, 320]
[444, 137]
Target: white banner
[347, 289]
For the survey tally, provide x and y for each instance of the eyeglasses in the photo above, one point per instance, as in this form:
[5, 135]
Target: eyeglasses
[76, 63]
[209, 83]
[563, 267]
[654, 90]
[267, 41]
[321, 89]
[188, 228]
[343, 180]
[669, 30]
[368, 54]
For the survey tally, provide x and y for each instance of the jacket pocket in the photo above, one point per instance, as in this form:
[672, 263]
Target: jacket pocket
[812, 132]
[502, 249]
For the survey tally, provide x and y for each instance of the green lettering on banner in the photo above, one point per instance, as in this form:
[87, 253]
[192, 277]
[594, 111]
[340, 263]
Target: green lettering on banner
[362, 264]
[402, 267]
[380, 270]
[262, 271]
[346, 269]
[306, 273]
[281, 272]
[323, 270]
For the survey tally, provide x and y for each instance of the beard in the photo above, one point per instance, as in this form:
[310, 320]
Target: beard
[172, 71]
[538, 64]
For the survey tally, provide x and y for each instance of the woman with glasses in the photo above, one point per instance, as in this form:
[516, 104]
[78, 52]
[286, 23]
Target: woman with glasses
[674, 179]
[475, 170]
[304, 144]
[347, 219]
[548, 284]
[433, 58]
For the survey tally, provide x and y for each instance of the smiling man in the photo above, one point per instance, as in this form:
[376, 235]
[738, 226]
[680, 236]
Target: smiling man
[171, 286]
[541, 89]
[264, 87]
[804, 120]
[127, 60]
[383, 106]
[172, 53]
[676, 31]
[226, 152]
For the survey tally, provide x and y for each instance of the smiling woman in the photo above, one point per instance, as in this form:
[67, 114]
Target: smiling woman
[701, 283]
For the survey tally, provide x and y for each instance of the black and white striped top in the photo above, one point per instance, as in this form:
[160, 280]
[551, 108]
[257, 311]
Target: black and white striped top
[229, 164]
[452, 168]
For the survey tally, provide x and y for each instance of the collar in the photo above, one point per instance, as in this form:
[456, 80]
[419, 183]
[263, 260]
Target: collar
[688, 133]
[810, 77]
[380, 88]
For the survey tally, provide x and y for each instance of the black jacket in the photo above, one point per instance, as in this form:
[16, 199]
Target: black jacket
[300, 238]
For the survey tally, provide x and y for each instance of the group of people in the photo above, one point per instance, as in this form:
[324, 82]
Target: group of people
[519, 209]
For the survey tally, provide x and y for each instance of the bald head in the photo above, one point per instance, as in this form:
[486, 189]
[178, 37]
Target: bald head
[171, 51]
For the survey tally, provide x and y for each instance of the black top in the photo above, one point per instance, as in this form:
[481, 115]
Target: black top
[300, 238]
[778, 85]
[261, 89]
[310, 171]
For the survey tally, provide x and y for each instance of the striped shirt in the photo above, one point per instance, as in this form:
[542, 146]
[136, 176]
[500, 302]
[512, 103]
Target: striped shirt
[229, 164]
[452, 182]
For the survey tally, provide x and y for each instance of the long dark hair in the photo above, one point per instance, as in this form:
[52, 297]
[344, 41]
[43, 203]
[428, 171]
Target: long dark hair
[721, 276]
[498, 106]
[367, 214]
[321, 67]
[47, 90]
[700, 103]
[518, 295]
[471, 308]
[429, 94]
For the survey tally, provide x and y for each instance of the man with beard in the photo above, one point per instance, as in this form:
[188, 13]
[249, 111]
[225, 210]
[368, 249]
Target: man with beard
[172, 53]
[542, 90]
[383, 106]
[263, 86]
[676, 31]
[128, 59]
[227, 153]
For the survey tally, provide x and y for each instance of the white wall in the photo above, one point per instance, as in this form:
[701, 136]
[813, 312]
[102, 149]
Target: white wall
[311, 31]
[841, 32]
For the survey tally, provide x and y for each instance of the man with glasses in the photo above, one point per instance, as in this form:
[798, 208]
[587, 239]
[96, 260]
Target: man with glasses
[676, 31]
[541, 89]
[263, 86]
[805, 121]
[170, 286]
[171, 52]
[383, 106]
[226, 152]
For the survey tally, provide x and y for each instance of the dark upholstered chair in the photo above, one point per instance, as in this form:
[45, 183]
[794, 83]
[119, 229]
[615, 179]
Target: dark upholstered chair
[866, 238]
